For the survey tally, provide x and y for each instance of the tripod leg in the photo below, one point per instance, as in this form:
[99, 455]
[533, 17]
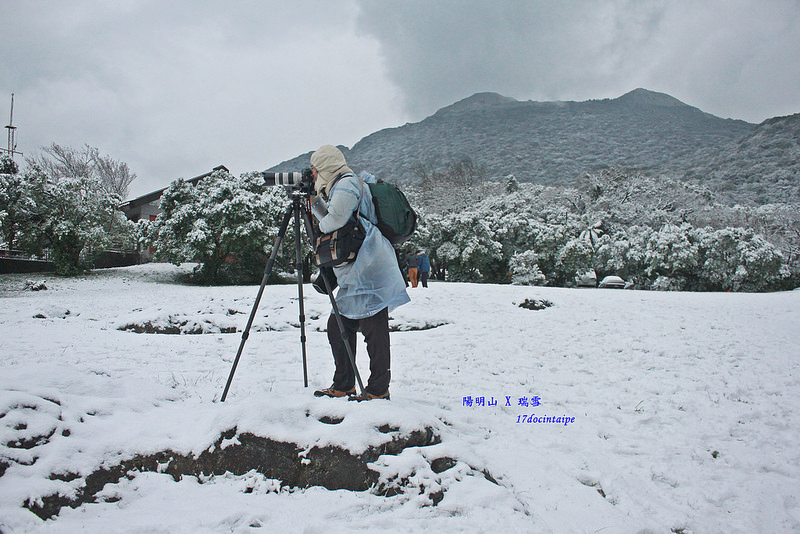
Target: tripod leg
[298, 255]
[267, 271]
[329, 289]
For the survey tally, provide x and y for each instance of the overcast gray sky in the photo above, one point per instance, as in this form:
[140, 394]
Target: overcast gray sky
[175, 88]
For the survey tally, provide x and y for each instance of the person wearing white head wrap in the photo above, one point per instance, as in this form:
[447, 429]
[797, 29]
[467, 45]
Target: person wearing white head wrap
[369, 288]
[329, 163]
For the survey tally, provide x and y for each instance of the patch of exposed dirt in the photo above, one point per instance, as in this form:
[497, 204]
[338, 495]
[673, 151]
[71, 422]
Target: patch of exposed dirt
[535, 304]
[179, 327]
[330, 467]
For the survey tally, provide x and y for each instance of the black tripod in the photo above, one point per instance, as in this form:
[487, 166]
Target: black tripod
[296, 209]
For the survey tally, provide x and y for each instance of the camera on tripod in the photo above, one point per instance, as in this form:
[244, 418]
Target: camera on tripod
[302, 181]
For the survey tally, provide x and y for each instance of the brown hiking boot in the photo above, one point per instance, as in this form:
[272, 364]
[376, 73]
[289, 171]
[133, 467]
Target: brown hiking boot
[331, 392]
[367, 396]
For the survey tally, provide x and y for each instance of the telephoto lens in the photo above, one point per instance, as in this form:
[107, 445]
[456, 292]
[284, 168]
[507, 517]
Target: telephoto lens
[302, 181]
[283, 178]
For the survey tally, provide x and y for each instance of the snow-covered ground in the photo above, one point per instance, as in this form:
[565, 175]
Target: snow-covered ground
[684, 406]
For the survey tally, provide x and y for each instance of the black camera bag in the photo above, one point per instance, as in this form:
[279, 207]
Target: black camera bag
[340, 247]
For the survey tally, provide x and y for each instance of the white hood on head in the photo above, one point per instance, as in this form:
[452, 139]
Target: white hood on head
[330, 163]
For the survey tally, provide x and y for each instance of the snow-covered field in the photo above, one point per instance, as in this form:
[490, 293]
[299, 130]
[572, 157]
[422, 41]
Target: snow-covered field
[684, 406]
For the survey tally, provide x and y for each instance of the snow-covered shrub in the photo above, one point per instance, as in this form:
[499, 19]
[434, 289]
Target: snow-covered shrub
[761, 267]
[575, 257]
[737, 259]
[672, 253]
[467, 251]
[225, 223]
[665, 283]
[653, 230]
[623, 253]
[63, 214]
[524, 269]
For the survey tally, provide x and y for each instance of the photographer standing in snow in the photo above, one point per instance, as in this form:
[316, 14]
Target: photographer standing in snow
[369, 287]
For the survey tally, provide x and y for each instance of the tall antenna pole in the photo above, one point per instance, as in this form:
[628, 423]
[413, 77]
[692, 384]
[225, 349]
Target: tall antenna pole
[12, 143]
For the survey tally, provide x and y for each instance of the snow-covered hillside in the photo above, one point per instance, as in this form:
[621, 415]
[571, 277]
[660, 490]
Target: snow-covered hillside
[684, 408]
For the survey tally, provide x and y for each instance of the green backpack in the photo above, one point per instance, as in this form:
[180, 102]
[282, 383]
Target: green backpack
[396, 218]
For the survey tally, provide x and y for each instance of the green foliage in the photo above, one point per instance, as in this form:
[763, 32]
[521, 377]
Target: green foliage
[7, 165]
[654, 231]
[226, 224]
[737, 259]
[12, 205]
[525, 269]
[72, 217]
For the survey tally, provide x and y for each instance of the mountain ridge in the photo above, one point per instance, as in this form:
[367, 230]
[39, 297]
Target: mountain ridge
[552, 143]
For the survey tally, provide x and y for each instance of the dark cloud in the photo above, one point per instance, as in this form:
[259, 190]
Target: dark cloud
[175, 88]
[735, 59]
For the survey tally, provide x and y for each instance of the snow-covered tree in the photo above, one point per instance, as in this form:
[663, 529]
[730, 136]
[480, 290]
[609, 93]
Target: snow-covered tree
[737, 259]
[672, 257]
[225, 223]
[467, 250]
[170, 231]
[648, 229]
[623, 253]
[66, 162]
[68, 216]
[12, 198]
[575, 257]
[525, 270]
[512, 184]
[8, 165]
[761, 266]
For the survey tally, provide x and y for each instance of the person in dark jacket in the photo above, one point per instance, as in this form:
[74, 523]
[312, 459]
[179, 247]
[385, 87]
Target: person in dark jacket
[401, 264]
[424, 267]
[412, 264]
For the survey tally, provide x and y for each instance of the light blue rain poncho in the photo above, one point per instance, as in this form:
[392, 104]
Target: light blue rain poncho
[372, 282]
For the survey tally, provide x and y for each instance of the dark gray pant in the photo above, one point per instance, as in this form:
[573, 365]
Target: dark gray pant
[423, 277]
[376, 334]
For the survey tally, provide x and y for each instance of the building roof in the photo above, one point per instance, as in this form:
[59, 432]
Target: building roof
[129, 205]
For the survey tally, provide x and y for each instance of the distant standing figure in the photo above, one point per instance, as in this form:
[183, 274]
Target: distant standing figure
[424, 266]
[402, 265]
[412, 263]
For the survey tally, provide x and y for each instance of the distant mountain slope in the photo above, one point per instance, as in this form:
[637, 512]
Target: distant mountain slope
[553, 142]
[763, 166]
